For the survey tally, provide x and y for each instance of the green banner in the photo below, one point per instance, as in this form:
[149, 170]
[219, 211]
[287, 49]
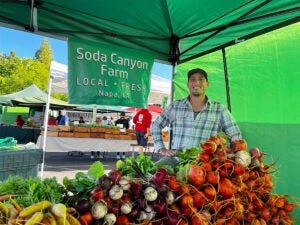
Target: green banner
[108, 75]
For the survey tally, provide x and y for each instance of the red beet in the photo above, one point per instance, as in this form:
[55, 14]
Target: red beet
[114, 175]
[160, 176]
[136, 188]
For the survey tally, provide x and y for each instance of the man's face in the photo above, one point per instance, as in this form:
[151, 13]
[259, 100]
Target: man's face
[197, 84]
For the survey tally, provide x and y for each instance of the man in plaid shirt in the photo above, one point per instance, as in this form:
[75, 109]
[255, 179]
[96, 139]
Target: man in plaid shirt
[193, 119]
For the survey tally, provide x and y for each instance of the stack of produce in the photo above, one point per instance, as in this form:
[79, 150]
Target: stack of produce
[213, 184]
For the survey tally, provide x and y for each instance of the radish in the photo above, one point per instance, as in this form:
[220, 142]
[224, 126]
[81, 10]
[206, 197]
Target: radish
[115, 192]
[160, 176]
[243, 158]
[124, 183]
[126, 208]
[170, 198]
[160, 207]
[110, 219]
[135, 188]
[173, 218]
[104, 182]
[99, 209]
[114, 175]
[133, 215]
[150, 194]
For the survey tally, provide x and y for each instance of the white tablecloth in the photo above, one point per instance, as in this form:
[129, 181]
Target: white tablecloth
[67, 144]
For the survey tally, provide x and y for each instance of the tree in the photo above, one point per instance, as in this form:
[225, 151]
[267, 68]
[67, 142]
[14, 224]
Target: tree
[45, 53]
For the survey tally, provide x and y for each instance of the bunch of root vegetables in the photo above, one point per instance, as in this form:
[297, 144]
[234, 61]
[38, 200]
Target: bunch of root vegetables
[218, 184]
[223, 185]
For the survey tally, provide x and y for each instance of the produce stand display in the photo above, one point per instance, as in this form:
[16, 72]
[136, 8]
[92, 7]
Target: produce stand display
[213, 184]
[91, 131]
[20, 162]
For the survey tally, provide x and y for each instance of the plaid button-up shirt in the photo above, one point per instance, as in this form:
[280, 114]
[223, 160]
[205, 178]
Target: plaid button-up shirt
[189, 131]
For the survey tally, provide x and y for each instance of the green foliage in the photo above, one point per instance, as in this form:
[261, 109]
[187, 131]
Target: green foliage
[44, 54]
[17, 74]
[33, 189]
[84, 183]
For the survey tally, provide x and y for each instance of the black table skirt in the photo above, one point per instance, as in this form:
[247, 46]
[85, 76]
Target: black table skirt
[22, 135]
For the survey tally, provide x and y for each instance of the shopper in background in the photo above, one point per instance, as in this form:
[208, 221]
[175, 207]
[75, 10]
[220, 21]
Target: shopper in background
[122, 121]
[98, 119]
[81, 120]
[58, 118]
[106, 121]
[142, 121]
[64, 121]
[51, 121]
[19, 121]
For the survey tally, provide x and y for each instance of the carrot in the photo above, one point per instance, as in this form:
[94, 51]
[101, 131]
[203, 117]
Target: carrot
[16, 205]
[6, 197]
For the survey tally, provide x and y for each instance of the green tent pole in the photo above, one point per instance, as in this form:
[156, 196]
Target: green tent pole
[226, 79]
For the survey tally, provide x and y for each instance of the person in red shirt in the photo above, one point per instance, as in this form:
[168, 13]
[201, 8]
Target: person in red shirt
[142, 121]
[19, 121]
[51, 121]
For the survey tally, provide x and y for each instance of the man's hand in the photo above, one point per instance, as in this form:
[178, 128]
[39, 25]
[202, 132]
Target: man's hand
[167, 152]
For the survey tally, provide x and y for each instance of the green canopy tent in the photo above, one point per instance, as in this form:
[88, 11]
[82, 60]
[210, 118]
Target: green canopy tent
[174, 30]
[33, 97]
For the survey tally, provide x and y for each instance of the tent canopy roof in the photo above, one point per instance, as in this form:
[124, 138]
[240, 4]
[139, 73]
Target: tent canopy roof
[32, 97]
[173, 30]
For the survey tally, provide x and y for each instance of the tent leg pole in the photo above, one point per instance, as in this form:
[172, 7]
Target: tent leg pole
[46, 124]
[226, 79]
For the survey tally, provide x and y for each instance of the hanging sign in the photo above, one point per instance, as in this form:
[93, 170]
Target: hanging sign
[107, 74]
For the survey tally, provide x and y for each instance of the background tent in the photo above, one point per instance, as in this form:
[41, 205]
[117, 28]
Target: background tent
[32, 97]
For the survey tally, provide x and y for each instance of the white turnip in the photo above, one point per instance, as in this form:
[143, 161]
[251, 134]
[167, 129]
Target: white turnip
[115, 192]
[170, 198]
[110, 219]
[243, 158]
[124, 183]
[126, 208]
[150, 194]
[99, 209]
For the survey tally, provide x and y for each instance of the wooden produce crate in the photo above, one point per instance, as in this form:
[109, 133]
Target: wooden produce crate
[82, 135]
[50, 133]
[65, 128]
[97, 135]
[82, 129]
[97, 130]
[112, 136]
[112, 131]
[65, 134]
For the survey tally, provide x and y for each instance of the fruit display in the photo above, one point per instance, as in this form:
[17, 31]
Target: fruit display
[214, 184]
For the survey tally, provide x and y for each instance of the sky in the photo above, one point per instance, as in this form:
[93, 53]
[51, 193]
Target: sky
[25, 44]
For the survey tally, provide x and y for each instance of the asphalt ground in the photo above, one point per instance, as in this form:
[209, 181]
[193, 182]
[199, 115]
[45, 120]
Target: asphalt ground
[61, 164]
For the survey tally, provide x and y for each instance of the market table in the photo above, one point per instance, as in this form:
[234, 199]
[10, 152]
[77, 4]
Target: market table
[22, 135]
[71, 144]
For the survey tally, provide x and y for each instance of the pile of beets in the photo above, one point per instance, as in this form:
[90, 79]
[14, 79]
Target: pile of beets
[223, 185]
